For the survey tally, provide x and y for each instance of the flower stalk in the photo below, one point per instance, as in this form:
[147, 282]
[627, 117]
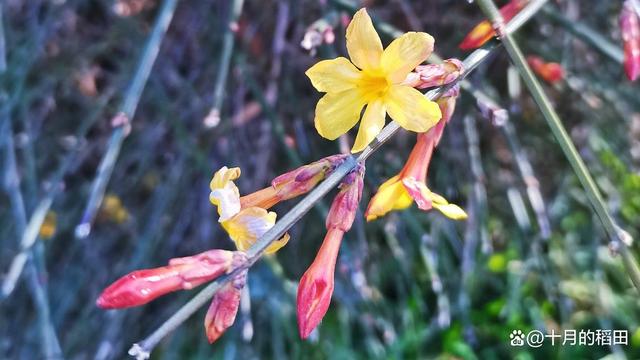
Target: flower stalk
[620, 240]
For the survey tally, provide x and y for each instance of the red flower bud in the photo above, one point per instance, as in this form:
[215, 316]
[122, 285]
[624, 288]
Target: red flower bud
[224, 307]
[301, 180]
[316, 285]
[142, 286]
[630, 29]
[345, 204]
[483, 32]
[293, 183]
[431, 75]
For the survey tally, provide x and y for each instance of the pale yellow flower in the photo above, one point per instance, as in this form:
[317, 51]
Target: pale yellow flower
[374, 81]
[244, 225]
[249, 225]
[224, 192]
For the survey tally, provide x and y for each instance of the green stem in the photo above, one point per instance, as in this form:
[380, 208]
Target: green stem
[619, 238]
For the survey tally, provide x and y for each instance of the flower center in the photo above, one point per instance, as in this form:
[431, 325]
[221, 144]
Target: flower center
[373, 85]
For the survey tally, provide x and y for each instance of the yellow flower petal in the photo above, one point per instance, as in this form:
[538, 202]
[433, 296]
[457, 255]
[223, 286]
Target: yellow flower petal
[363, 43]
[412, 110]
[404, 54]
[391, 195]
[223, 176]
[333, 75]
[249, 225]
[451, 211]
[277, 245]
[336, 113]
[224, 193]
[370, 126]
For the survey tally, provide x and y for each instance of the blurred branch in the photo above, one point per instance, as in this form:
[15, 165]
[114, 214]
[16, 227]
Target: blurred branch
[143, 349]
[11, 183]
[230, 25]
[620, 240]
[3, 45]
[585, 33]
[50, 344]
[479, 179]
[125, 116]
[501, 119]
[55, 186]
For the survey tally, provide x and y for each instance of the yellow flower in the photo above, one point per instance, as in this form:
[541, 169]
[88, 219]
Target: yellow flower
[410, 185]
[249, 225]
[224, 193]
[399, 193]
[113, 209]
[245, 225]
[48, 228]
[374, 81]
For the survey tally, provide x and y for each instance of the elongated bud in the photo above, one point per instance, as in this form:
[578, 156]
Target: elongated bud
[142, 286]
[316, 285]
[301, 180]
[431, 75]
[630, 29]
[550, 72]
[483, 32]
[293, 183]
[224, 307]
[345, 204]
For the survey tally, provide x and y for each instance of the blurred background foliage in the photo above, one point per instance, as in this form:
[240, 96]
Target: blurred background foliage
[411, 285]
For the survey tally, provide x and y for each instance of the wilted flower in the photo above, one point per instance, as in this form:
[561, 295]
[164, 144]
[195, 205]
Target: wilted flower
[141, 286]
[375, 81]
[316, 285]
[550, 72]
[320, 32]
[409, 185]
[630, 29]
[431, 75]
[484, 31]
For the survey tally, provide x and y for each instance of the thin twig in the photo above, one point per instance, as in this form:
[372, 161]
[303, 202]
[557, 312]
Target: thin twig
[11, 182]
[620, 240]
[30, 235]
[235, 9]
[479, 179]
[127, 109]
[51, 345]
[142, 350]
